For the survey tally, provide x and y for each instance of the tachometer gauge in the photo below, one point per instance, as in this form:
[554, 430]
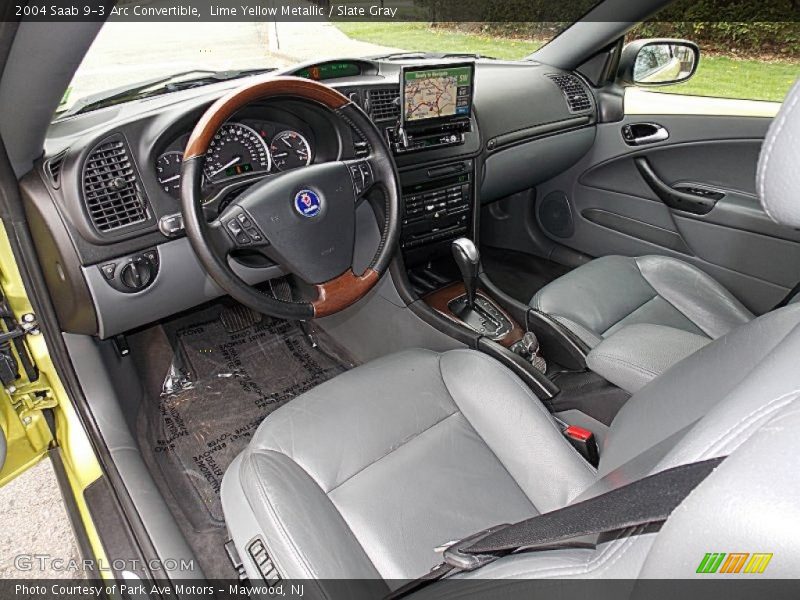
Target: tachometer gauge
[290, 150]
[236, 149]
[168, 172]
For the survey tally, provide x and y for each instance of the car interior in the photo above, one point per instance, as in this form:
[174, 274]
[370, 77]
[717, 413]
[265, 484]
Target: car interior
[321, 330]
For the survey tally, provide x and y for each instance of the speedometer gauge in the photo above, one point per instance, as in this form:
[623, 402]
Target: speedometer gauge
[234, 150]
[290, 150]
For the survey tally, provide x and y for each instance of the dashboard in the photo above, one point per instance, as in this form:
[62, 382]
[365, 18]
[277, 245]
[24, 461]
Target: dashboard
[263, 140]
[104, 202]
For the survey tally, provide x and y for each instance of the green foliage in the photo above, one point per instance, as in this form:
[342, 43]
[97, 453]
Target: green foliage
[731, 26]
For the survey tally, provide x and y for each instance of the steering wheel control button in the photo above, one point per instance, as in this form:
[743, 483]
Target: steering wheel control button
[307, 203]
[238, 233]
[243, 230]
[358, 178]
[366, 174]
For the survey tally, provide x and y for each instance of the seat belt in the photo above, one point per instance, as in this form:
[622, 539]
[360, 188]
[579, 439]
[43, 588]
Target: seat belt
[788, 298]
[641, 502]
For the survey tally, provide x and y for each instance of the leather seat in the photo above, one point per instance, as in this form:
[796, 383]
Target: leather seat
[366, 474]
[363, 476]
[601, 297]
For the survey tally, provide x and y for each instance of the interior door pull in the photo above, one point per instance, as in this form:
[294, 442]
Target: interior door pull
[641, 134]
[675, 199]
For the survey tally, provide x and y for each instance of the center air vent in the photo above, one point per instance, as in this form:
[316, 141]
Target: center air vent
[576, 94]
[384, 104]
[111, 187]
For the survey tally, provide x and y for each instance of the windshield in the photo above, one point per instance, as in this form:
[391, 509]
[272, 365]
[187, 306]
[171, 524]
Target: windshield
[126, 53]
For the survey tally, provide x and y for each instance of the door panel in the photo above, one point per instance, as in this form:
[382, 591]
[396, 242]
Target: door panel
[615, 211]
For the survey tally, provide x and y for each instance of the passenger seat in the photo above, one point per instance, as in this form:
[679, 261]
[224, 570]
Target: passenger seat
[641, 315]
[601, 297]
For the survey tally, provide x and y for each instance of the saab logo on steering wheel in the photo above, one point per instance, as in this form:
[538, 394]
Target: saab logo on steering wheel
[307, 203]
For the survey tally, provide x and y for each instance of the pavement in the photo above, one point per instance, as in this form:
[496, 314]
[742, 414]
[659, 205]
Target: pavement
[34, 523]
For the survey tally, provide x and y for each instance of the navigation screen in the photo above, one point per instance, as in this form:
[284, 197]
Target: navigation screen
[437, 92]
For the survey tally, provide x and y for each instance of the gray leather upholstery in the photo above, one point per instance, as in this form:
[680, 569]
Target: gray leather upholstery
[778, 179]
[599, 298]
[366, 474]
[634, 355]
[450, 442]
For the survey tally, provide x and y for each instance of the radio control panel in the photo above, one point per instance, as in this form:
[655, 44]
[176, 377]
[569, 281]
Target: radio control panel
[438, 205]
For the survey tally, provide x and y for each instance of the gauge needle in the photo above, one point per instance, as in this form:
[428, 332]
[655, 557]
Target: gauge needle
[173, 178]
[223, 167]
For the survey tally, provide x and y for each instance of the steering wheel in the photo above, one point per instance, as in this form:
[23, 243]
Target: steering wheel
[304, 219]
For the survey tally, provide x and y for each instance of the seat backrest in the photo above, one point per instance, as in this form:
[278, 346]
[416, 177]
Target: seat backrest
[705, 395]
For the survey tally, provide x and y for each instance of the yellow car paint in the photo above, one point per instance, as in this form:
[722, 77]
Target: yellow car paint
[28, 434]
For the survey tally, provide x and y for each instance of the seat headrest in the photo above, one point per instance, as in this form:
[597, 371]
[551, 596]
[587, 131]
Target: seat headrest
[778, 179]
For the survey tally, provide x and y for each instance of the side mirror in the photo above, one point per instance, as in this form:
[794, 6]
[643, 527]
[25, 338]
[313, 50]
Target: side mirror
[656, 62]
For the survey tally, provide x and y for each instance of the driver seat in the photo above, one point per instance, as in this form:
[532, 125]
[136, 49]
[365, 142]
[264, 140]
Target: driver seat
[365, 475]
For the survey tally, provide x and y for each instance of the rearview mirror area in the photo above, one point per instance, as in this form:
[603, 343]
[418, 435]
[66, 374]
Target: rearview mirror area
[654, 62]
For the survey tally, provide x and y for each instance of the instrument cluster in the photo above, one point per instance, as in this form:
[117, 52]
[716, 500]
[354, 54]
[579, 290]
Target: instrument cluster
[239, 150]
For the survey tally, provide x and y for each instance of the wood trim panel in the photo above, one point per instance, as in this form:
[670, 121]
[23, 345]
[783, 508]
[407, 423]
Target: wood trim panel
[224, 108]
[342, 291]
[440, 300]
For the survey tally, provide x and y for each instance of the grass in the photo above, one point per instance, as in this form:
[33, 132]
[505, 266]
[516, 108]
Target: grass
[716, 76]
[732, 78]
[418, 36]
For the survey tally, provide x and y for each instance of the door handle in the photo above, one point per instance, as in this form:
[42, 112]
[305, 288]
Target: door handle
[641, 134]
[673, 198]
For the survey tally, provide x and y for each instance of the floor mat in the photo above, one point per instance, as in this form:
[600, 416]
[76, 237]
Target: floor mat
[227, 375]
[518, 274]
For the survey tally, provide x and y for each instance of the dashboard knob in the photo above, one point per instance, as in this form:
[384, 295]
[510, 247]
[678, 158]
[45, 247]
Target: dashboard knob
[136, 274]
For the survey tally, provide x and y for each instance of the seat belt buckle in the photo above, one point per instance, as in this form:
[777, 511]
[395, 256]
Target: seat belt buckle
[584, 442]
[464, 561]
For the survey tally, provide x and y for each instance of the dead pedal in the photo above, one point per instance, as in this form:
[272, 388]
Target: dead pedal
[238, 318]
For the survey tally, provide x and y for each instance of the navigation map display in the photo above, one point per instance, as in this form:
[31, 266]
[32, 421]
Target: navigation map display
[441, 92]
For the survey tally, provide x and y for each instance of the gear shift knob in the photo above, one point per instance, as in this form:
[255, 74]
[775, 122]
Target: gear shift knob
[468, 260]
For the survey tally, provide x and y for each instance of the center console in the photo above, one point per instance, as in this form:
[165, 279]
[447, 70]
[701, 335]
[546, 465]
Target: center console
[438, 208]
[438, 222]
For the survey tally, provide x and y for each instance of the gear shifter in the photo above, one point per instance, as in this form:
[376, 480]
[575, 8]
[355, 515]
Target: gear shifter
[477, 312]
[468, 260]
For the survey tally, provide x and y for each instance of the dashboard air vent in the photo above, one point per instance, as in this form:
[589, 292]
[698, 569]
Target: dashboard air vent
[52, 168]
[384, 104]
[576, 94]
[111, 188]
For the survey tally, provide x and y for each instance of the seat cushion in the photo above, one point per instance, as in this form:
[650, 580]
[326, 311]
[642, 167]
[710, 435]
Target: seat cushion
[366, 474]
[608, 293]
